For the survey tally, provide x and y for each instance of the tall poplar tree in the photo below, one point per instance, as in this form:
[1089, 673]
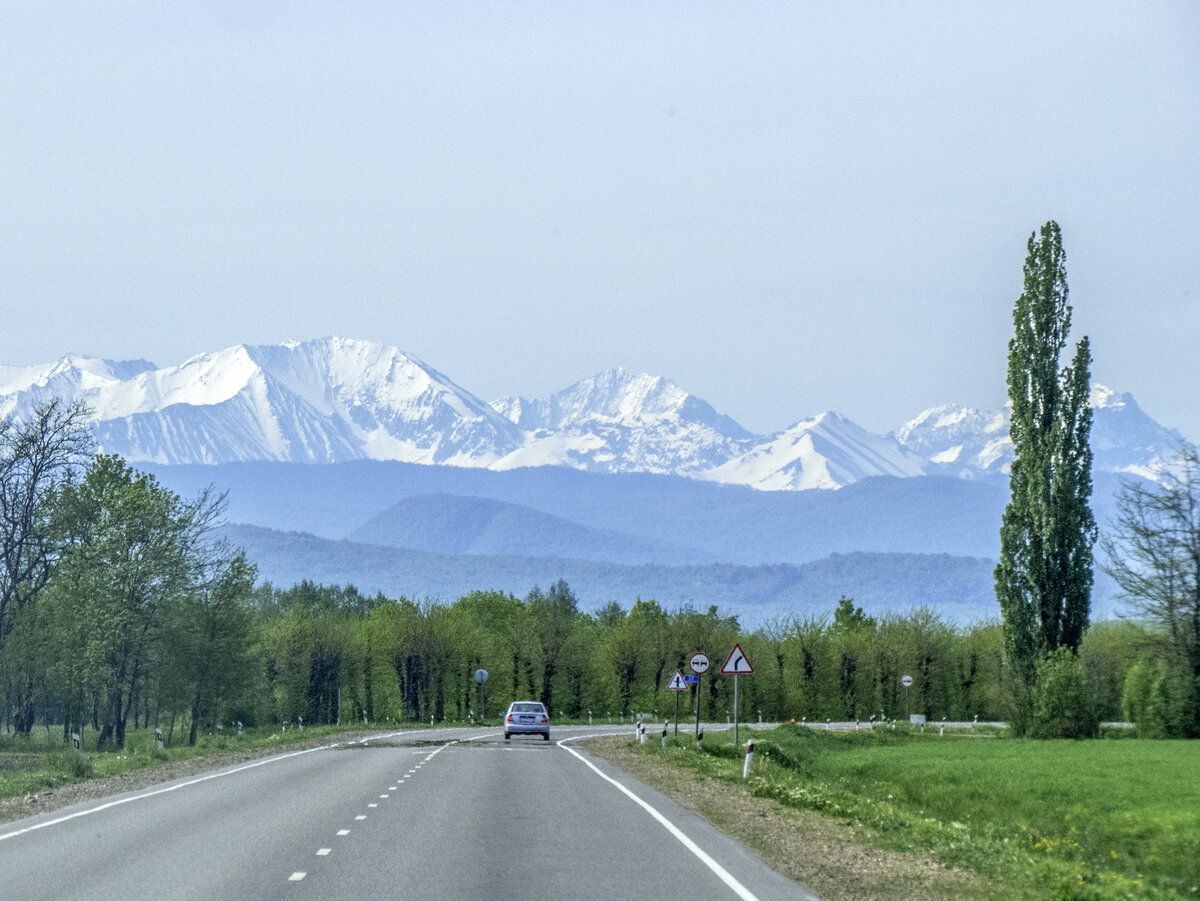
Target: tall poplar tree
[1044, 578]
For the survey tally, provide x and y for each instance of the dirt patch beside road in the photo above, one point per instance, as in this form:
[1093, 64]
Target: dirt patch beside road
[827, 856]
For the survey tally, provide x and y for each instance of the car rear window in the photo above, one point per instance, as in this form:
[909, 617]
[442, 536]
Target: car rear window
[528, 708]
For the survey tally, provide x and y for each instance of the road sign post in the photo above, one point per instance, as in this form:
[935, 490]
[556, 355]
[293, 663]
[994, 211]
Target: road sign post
[677, 684]
[907, 681]
[736, 665]
[481, 677]
[699, 665]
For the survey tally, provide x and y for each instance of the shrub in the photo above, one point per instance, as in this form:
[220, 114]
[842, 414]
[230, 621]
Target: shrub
[1062, 704]
[71, 763]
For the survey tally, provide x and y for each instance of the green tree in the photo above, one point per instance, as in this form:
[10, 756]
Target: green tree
[553, 614]
[1153, 549]
[1044, 578]
[209, 638]
[130, 550]
[37, 456]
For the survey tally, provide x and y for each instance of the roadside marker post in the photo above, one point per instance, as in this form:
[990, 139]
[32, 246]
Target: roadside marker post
[749, 759]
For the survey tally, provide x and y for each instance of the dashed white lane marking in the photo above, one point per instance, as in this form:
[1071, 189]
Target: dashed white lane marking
[723, 874]
[205, 778]
[325, 852]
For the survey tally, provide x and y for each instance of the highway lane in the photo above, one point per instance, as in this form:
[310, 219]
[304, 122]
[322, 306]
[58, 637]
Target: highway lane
[447, 813]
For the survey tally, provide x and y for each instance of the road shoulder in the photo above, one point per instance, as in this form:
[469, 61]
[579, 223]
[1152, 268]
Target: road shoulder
[831, 858]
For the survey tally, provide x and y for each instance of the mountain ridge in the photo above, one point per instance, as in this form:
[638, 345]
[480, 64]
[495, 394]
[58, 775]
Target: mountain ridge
[331, 400]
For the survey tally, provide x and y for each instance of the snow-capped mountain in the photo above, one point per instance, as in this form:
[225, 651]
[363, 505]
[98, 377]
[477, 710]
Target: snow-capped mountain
[965, 442]
[827, 451]
[332, 399]
[958, 440]
[622, 422]
[318, 401]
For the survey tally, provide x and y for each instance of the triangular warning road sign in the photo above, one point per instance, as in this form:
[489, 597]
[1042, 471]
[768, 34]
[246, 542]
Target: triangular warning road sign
[677, 683]
[737, 664]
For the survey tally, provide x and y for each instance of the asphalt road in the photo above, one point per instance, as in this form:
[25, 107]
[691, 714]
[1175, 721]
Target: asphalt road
[428, 814]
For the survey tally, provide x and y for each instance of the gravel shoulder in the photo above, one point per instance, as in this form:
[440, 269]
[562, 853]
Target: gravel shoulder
[825, 855]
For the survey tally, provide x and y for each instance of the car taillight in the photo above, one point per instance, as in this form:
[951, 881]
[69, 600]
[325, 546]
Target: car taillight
[544, 720]
[510, 719]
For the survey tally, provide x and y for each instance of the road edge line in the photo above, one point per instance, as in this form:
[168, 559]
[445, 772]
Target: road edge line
[723, 874]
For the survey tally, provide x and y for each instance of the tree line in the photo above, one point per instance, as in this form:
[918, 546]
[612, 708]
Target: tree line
[119, 609]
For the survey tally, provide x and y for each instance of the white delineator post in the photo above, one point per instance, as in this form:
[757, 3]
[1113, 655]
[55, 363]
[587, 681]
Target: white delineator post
[666, 723]
[749, 759]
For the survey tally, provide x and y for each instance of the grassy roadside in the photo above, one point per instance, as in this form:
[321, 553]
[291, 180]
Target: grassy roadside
[1058, 820]
[829, 856]
[41, 761]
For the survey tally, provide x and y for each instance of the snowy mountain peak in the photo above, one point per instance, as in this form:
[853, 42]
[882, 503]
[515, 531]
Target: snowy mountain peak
[826, 451]
[323, 400]
[617, 396]
[962, 441]
[335, 399]
[618, 421]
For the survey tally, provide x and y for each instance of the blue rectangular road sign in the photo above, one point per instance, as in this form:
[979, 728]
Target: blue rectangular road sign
[692, 679]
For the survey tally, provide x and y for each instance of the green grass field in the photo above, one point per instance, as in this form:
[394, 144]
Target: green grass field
[1053, 819]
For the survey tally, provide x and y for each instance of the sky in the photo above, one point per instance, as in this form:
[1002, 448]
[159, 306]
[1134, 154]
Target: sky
[785, 208]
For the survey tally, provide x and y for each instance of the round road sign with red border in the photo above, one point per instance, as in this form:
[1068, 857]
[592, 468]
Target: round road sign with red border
[906, 681]
[699, 663]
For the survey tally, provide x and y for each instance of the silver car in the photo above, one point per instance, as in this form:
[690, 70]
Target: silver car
[526, 718]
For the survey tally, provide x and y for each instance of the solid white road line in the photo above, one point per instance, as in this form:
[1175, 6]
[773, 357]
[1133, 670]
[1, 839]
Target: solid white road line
[723, 874]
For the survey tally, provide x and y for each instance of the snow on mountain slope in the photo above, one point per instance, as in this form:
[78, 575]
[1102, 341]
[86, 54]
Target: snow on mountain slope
[959, 440]
[828, 451]
[964, 442]
[321, 401]
[1125, 439]
[23, 387]
[622, 422]
[333, 399]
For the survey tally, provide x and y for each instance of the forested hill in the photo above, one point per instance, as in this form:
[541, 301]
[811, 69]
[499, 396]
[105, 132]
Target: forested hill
[731, 524]
[959, 588]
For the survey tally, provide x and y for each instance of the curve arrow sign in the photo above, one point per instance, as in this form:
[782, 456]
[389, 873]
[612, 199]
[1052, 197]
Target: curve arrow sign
[737, 664]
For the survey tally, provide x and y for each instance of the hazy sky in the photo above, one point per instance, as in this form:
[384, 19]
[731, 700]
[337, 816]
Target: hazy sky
[785, 207]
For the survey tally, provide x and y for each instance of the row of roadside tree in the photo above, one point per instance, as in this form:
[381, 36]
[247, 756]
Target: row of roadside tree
[119, 608]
